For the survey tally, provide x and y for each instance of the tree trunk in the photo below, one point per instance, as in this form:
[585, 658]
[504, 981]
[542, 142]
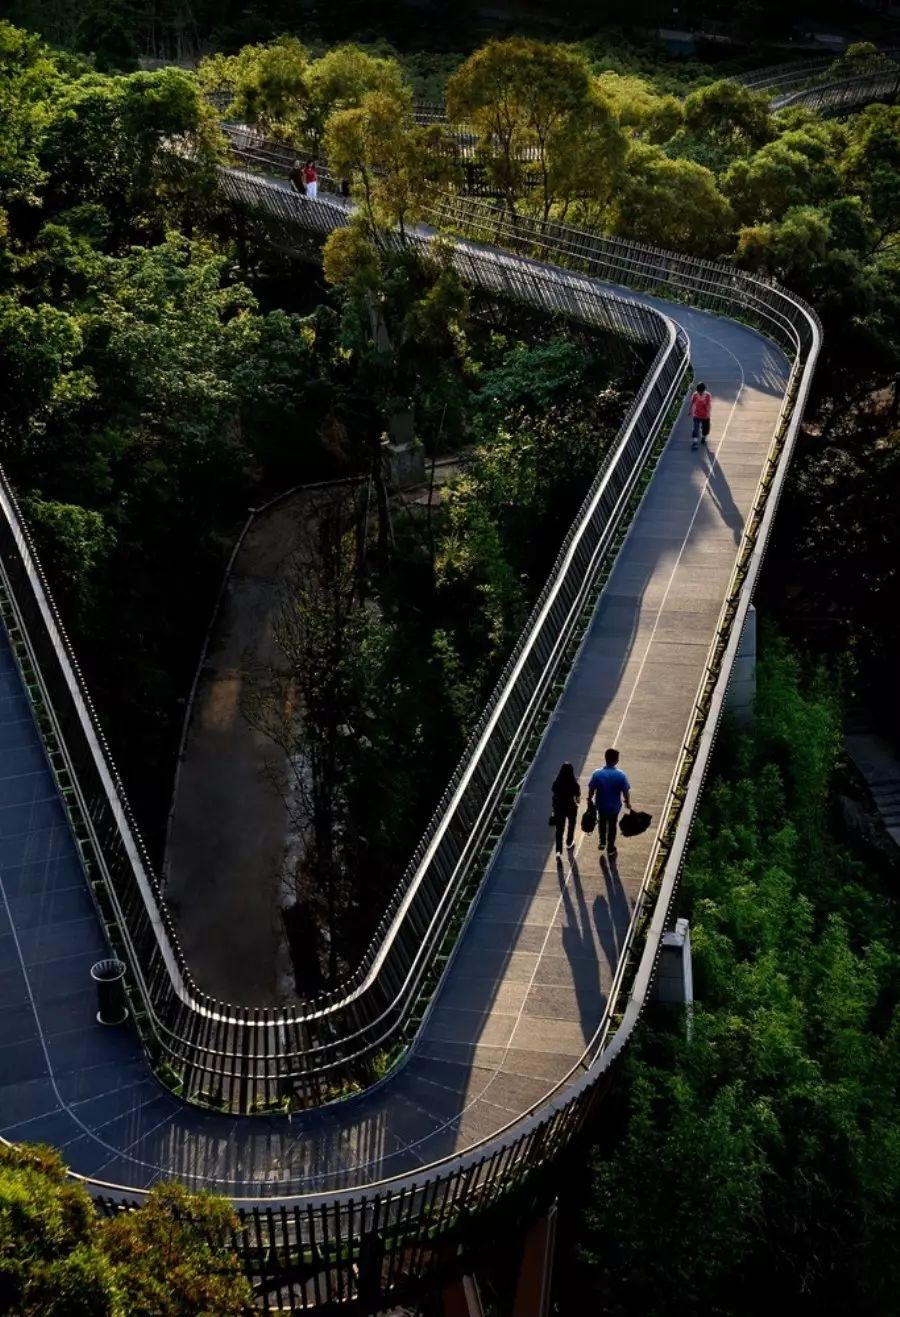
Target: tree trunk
[241, 243]
[385, 531]
[429, 523]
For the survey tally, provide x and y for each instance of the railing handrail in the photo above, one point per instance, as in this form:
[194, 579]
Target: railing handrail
[843, 92]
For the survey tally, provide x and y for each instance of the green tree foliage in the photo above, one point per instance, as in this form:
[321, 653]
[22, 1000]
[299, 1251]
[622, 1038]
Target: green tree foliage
[394, 163]
[871, 167]
[760, 1156]
[640, 108]
[729, 115]
[343, 77]
[280, 87]
[175, 1256]
[537, 113]
[49, 1258]
[26, 75]
[790, 248]
[796, 169]
[269, 84]
[39, 348]
[672, 203]
[73, 543]
[110, 142]
[860, 58]
[58, 1259]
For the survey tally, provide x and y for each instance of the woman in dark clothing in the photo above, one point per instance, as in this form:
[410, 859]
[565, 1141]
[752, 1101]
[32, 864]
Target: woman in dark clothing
[566, 795]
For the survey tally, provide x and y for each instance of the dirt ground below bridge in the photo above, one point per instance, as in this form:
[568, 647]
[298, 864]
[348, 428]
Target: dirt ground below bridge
[229, 829]
[229, 848]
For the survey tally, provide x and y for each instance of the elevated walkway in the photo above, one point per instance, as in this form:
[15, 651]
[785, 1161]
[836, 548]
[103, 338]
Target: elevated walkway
[522, 1006]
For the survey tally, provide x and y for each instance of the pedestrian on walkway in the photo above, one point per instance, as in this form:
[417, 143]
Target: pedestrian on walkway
[312, 180]
[610, 786]
[701, 410]
[298, 178]
[566, 795]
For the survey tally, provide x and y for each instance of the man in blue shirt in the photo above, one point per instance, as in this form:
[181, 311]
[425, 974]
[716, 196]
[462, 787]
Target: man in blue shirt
[608, 787]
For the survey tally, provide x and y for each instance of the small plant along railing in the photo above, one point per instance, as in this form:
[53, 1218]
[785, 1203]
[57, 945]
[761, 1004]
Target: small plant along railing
[241, 1058]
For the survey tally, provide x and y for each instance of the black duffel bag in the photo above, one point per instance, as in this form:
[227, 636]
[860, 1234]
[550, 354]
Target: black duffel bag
[634, 823]
[589, 819]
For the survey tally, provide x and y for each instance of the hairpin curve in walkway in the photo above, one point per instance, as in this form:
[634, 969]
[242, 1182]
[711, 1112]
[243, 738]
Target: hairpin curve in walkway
[519, 1008]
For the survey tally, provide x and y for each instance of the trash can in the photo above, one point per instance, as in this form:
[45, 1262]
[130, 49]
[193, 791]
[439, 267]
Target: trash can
[109, 976]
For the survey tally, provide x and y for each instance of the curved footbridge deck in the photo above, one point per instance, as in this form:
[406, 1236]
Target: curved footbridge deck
[503, 1066]
[525, 994]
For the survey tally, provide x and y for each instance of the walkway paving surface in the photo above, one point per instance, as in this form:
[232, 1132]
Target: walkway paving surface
[527, 988]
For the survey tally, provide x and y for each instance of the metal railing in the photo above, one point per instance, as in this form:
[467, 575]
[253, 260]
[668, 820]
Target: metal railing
[239, 1057]
[832, 98]
[775, 77]
[803, 83]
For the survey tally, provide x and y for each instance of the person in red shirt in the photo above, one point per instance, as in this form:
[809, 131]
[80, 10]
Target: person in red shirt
[311, 179]
[701, 409]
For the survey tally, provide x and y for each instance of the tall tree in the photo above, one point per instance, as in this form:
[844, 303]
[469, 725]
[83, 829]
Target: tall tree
[730, 115]
[533, 107]
[671, 203]
[314, 703]
[395, 163]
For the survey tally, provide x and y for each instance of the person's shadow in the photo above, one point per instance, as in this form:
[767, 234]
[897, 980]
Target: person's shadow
[612, 914]
[720, 493]
[581, 949]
